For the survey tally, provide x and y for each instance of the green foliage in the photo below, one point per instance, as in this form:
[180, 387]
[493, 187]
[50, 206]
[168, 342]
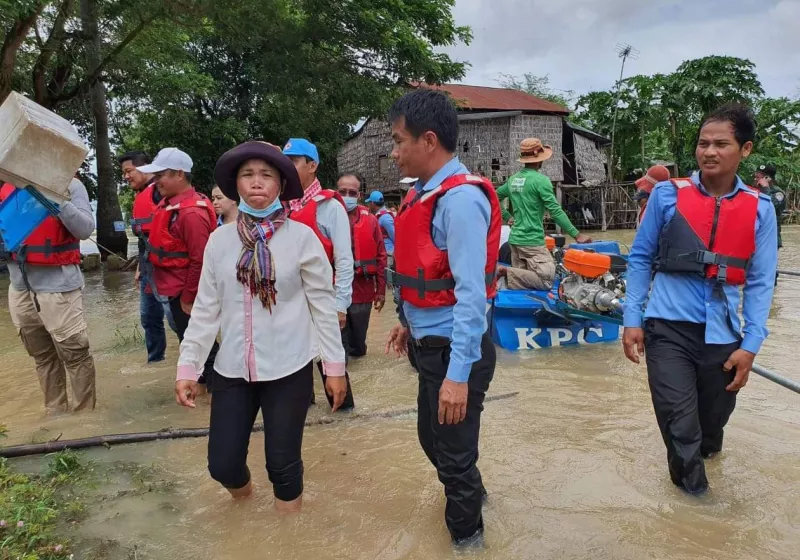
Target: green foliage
[31, 506]
[659, 116]
[126, 197]
[277, 69]
[538, 86]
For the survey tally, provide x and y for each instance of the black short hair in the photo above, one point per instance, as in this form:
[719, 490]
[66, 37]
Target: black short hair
[426, 110]
[137, 158]
[362, 184]
[188, 177]
[741, 118]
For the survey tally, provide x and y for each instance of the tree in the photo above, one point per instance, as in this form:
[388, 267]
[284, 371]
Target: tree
[280, 69]
[659, 115]
[538, 86]
[58, 52]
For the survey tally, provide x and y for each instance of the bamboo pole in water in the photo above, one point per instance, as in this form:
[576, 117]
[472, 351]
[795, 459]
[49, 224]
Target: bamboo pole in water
[170, 433]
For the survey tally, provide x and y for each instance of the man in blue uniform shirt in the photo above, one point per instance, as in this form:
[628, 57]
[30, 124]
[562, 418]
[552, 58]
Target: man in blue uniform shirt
[454, 355]
[704, 237]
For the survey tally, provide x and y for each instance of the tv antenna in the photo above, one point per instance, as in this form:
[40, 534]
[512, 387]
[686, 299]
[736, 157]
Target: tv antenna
[625, 51]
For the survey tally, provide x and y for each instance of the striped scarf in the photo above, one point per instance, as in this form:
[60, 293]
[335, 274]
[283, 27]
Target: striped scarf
[313, 190]
[256, 269]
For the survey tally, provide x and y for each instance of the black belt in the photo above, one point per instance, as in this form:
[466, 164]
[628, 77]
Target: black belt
[431, 341]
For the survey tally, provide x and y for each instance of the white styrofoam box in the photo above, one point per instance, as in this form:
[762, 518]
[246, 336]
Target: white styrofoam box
[38, 147]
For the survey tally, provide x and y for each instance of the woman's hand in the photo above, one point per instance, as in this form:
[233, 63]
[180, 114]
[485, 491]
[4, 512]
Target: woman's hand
[185, 392]
[336, 387]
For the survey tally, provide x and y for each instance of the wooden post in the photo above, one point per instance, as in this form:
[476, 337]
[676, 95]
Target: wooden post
[603, 206]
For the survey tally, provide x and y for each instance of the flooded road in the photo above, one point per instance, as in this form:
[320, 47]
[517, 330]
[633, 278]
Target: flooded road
[574, 464]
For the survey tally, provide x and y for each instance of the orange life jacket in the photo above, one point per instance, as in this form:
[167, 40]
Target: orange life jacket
[308, 215]
[365, 248]
[143, 210]
[50, 244]
[164, 249]
[382, 212]
[713, 237]
[422, 270]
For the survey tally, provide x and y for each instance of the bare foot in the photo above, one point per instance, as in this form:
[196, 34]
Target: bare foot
[289, 507]
[241, 493]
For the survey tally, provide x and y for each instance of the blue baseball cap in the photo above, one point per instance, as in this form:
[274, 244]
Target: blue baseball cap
[376, 197]
[301, 147]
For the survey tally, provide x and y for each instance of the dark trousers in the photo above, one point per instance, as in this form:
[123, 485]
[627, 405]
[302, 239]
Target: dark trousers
[284, 405]
[453, 449]
[687, 384]
[181, 320]
[354, 334]
[151, 315]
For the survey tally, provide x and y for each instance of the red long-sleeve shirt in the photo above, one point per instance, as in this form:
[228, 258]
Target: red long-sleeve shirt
[193, 227]
[365, 288]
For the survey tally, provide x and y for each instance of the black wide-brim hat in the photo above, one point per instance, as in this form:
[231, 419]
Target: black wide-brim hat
[228, 166]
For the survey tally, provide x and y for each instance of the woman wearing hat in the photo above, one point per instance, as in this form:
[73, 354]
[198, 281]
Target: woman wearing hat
[266, 288]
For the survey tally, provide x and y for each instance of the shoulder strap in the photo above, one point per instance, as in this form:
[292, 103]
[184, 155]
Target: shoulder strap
[682, 183]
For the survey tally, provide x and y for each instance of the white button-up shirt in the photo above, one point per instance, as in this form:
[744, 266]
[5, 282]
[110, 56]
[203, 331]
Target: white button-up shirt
[256, 345]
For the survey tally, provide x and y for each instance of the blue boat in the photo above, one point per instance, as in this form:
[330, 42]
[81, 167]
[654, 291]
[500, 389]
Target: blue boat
[533, 320]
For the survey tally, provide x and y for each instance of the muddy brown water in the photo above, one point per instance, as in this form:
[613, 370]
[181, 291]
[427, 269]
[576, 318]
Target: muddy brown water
[574, 465]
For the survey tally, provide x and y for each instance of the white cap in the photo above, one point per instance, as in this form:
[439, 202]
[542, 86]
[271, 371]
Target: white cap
[169, 158]
[409, 180]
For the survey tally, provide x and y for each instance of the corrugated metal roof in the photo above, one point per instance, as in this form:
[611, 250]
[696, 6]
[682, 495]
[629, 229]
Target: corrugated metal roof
[481, 98]
[588, 133]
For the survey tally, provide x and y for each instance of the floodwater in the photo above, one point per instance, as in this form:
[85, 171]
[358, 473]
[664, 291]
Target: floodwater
[574, 464]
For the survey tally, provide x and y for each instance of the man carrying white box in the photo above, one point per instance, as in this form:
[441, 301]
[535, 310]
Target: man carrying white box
[45, 300]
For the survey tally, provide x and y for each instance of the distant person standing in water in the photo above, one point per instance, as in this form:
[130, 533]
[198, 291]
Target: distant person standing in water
[266, 284]
[151, 311]
[702, 240]
[644, 186]
[226, 209]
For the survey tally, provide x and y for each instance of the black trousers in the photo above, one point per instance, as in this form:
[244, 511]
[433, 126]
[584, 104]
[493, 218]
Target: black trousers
[687, 384]
[181, 324]
[284, 405]
[453, 449]
[354, 334]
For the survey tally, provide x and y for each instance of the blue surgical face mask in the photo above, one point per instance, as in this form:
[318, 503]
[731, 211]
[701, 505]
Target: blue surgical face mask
[350, 202]
[269, 210]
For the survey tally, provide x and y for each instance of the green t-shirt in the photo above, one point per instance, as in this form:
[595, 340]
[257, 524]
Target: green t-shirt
[531, 194]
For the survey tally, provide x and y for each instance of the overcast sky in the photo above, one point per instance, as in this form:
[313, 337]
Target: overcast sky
[573, 41]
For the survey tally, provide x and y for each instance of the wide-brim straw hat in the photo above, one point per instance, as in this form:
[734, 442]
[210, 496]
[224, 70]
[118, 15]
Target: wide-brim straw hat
[228, 166]
[533, 151]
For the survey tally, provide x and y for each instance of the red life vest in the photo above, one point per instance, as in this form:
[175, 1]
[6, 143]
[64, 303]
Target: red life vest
[382, 212]
[422, 270]
[308, 215]
[50, 244]
[143, 210]
[713, 237]
[164, 249]
[365, 248]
